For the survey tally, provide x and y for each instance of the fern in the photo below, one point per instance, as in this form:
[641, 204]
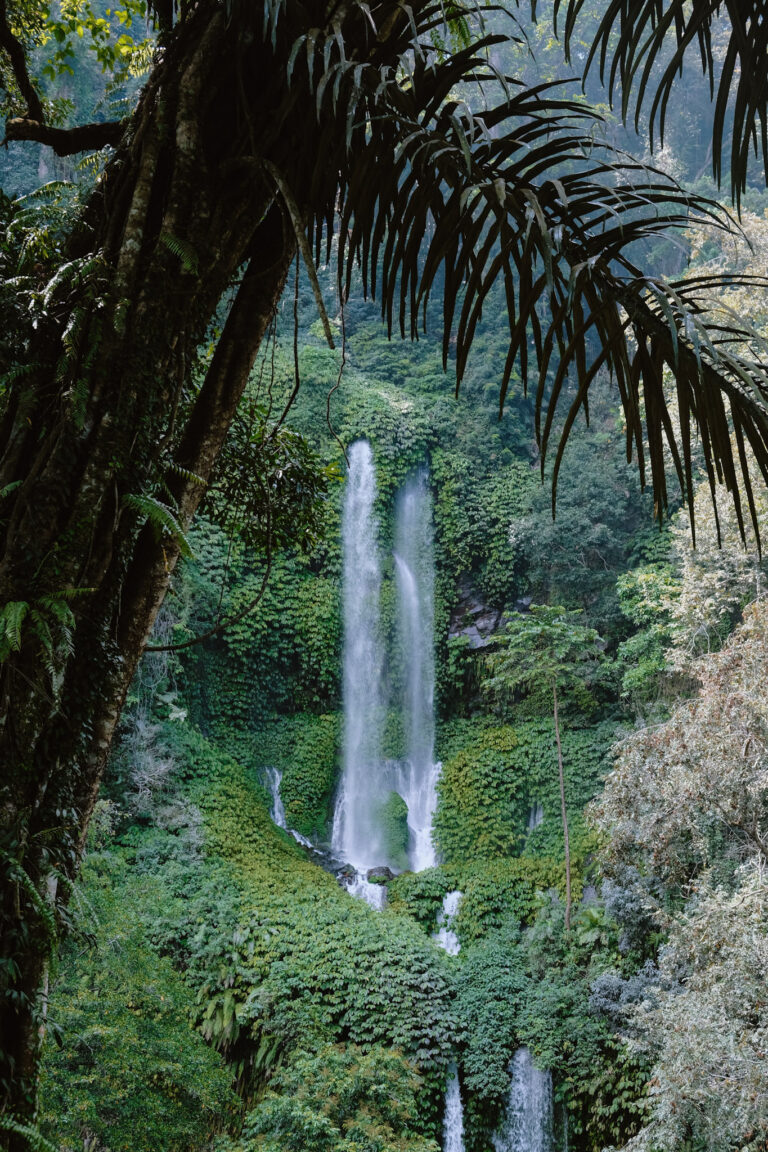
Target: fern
[18, 876]
[6, 491]
[184, 251]
[33, 1136]
[185, 473]
[162, 519]
[11, 619]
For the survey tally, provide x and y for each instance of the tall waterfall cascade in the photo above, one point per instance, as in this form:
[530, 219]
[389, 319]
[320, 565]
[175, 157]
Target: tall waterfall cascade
[415, 576]
[357, 838]
[528, 1123]
[367, 780]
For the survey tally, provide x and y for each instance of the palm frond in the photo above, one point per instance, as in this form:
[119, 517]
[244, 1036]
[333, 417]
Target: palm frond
[438, 195]
[641, 46]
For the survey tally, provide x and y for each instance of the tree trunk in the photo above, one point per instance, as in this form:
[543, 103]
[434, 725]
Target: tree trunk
[566, 840]
[110, 414]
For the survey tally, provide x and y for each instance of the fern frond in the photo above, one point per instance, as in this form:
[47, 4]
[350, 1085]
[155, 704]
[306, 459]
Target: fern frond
[186, 474]
[162, 519]
[12, 617]
[19, 876]
[6, 491]
[33, 1136]
[183, 250]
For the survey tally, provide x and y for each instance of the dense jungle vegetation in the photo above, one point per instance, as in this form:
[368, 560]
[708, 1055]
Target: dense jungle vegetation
[217, 988]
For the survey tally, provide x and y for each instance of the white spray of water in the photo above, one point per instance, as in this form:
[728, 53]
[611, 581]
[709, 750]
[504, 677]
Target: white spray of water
[277, 811]
[453, 1121]
[415, 575]
[528, 1122]
[453, 1117]
[356, 836]
[445, 937]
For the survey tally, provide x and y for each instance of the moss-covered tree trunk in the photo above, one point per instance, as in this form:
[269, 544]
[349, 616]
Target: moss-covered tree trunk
[184, 206]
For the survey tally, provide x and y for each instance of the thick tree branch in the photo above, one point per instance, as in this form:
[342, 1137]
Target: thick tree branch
[18, 59]
[66, 141]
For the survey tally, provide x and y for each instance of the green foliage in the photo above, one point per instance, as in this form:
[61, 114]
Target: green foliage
[482, 804]
[30, 1135]
[492, 987]
[294, 955]
[340, 1099]
[419, 895]
[128, 1068]
[506, 891]
[305, 748]
[392, 818]
[494, 775]
[542, 650]
[161, 517]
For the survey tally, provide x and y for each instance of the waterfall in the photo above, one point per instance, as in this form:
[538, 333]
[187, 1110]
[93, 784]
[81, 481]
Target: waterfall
[453, 1116]
[355, 836]
[536, 816]
[445, 937]
[277, 811]
[527, 1125]
[453, 1121]
[414, 571]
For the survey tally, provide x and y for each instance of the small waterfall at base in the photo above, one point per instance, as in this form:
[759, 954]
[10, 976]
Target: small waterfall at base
[453, 1117]
[277, 812]
[415, 575]
[527, 1126]
[445, 937]
[356, 837]
[453, 1122]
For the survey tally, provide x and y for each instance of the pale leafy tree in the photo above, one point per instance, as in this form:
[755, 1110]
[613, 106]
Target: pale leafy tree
[683, 793]
[687, 604]
[547, 653]
[716, 577]
[708, 1032]
[687, 805]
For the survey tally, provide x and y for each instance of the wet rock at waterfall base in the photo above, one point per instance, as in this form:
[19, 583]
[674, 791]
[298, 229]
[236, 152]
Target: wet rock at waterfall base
[379, 875]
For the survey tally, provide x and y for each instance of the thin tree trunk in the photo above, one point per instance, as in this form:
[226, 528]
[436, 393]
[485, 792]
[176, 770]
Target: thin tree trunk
[566, 840]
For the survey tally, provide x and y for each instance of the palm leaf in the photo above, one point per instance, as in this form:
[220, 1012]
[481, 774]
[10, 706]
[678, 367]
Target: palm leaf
[641, 47]
[434, 198]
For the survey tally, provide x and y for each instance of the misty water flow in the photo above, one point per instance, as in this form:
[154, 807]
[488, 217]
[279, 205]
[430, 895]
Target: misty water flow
[453, 1116]
[453, 1121]
[366, 780]
[445, 937]
[415, 576]
[356, 835]
[277, 811]
[528, 1121]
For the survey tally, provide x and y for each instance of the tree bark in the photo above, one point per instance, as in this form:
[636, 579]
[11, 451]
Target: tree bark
[182, 207]
[563, 811]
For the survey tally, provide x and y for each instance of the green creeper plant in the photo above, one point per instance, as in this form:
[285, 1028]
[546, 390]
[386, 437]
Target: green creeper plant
[544, 652]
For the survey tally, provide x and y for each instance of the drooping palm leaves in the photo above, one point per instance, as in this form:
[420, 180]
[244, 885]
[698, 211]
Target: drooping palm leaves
[435, 196]
[640, 48]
